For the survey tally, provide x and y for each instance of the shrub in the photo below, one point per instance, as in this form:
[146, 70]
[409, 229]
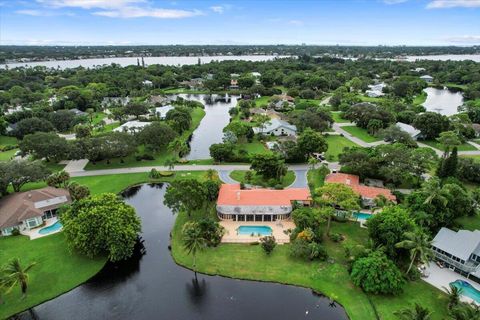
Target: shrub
[154, 174]
[268, 244]
[336, 237]
[15, 232]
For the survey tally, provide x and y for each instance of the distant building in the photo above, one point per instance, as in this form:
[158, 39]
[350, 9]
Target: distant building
[375, 90]
[276, 127]
[109, 101]
[458, 250]
[27, 210]
[427, 78]
[419, 69]
[161, 112]
[238, 204]
[256, 74]
[157, 99]
[132, 126]
[367, 193]
[78, 112]
[234, 84]
[147, 83]
[414, 133]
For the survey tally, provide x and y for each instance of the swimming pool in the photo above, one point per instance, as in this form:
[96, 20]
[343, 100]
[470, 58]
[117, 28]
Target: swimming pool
[362, 215]
[256, 230]
[54, 227]
[467, 289]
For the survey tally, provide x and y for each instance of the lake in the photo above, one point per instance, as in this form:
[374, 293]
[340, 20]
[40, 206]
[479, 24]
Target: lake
[127, 61]
[443, 101]
[445, 57]
[151, 286]
[210, 130]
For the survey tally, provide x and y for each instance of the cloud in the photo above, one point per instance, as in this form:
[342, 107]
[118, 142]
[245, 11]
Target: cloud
[217, 9]
[42, 13]
[464, 39]
[137, 12]
[394, 1]
[296, 22]
[90, 4]
[443, 4]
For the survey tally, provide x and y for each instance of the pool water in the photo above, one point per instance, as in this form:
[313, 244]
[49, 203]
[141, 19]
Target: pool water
[256, 230]
[362, 215]
[467, 290]
[54, 227]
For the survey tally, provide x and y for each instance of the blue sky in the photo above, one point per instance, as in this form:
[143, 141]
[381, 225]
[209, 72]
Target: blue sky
[347, 22]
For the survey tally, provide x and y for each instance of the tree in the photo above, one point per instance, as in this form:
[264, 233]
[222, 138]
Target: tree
[156, 136]
[46, 145]
[269, 165]
[449, 139]
[179, 119]
[363, 113]
[433, 189]
[268, 243]
[377, 274]
[388, 228]
[32, 125]
[431, 124]
[374, 126]
[333, 195]
[16, 274]
[178, 147]
[62, 120]
[419, 246]
[185, 196]
[136, 109]
[101, 224]
[193, 241]
[416, 313]
[170, 163]
[20, 172]
[448, 166]
[82, 131]
[78, 191]
[58, 179]
[310, 142]
[454, 294]
[221, 152]
[465, 311]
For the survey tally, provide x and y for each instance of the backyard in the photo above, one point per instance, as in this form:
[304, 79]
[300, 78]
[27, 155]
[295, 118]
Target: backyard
[7, 141]
[360, 133]
[239, 175]
[336, 144]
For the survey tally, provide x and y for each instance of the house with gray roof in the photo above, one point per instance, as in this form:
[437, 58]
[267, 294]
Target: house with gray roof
[414, 133]
[458, 250]
[276, 127]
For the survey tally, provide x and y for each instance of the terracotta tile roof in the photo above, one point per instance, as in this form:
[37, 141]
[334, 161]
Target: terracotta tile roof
[353, 181]
[20, 206]
[232, 195]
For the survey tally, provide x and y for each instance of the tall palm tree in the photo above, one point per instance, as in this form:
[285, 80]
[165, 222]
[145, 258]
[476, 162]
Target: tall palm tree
[17, 275]
[465, 311]
[419, 246]
[454, 294]
[416, 313]
[433, 188]
[193, 241]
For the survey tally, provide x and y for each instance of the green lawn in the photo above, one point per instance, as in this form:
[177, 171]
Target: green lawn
[332, 279]
[336, 144]
[360, 133]
[107, 128]
[97, 117]
[239, 175]
[7, 141]
[371, 99]
[160, 157]
[437, 145]
[262, 101]
[7, 155]
[476, 158]
[254, 147]
[316, 179]
[469, 223]
[419, 99]
[336, 115]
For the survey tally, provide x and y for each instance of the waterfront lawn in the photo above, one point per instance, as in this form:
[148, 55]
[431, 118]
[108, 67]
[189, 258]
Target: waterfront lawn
[437, 145]
[239, 175]
[254, 147]
[419, 99]
[160, 157]
[332, 279]
[360, 133]
[57, 271]
[336, 115]
[336, 144]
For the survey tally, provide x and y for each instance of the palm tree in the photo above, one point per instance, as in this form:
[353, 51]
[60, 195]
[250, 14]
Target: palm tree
[170, 163]
[416, 313]
[454, 294]
[211, 174]
[16, 274]
[419, 246]
[465, 311]
[433, 188]
[193, 241]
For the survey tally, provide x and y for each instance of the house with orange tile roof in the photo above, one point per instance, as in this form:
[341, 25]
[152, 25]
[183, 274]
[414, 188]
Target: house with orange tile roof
[237, 204]
[367, 193]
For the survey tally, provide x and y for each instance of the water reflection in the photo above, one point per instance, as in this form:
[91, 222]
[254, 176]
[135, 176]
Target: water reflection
[443, 101]
[150, 285]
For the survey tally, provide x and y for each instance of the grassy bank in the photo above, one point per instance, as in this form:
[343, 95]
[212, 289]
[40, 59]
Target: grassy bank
[360, 133]
[239, 175]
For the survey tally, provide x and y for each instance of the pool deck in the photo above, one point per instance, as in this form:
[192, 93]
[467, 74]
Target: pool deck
[278, 228]
[34, 233]
[442, 277]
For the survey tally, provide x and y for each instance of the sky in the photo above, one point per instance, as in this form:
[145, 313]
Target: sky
[313, 22]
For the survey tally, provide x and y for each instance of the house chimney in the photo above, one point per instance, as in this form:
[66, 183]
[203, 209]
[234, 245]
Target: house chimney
[238, 195]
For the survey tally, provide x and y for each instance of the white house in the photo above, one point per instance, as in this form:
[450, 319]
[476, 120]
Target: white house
[277, 127]
[256, 74]
[132, 126]
[376, 90]
[147, 83]
[414, 133]
[161, 112]
[427, 78]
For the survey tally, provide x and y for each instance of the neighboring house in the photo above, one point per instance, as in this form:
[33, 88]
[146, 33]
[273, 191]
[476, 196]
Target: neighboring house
[147, 83]
[459, 251]
[276, 127]
[132, 126]
[238, 204]
[109, 101]
[373, 93]
[258, 111]
[161, 112]
[476, 127]
[14, 109]
[234, 84]
[271, 145]
[256, 74]
[157, 99]
[27, 210]
[414, 133]
[367, 193]
[281, 105]
[78, 112]
[11, 127]
[375, 90]
[427, 78]
[419, 69]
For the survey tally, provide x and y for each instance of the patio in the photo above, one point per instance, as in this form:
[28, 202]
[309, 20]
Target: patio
[442, 277]
[278, 228]
[35, 234]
